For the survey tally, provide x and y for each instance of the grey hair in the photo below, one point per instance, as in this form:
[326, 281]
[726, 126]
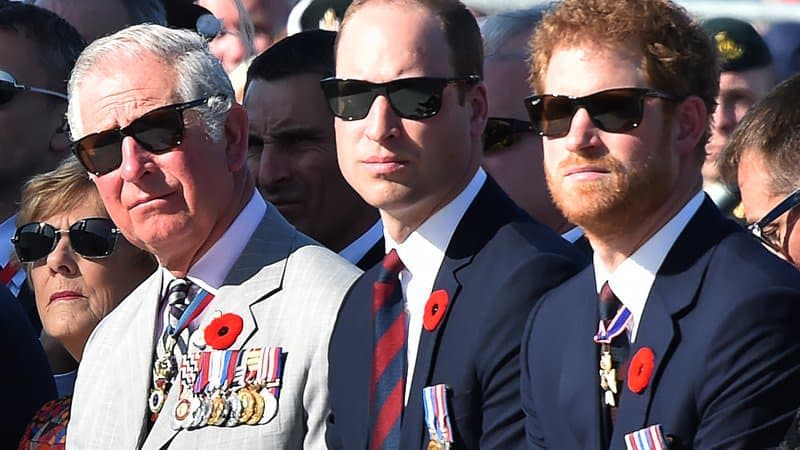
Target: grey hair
[197, 72]
[246, 29]
[146, 11]
[500, 28]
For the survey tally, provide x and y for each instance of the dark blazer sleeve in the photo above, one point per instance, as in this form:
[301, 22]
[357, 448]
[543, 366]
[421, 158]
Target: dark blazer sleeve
[751, 381]
[25, 374]
[503, 418]
[534, 438]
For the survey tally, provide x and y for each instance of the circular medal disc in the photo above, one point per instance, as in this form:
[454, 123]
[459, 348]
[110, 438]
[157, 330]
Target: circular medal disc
[270, 406]
[182, 414]
[197, 413]
[434, 445]
[156, 400]
[258, 407]
[248, 404]
[235, 406]
[206, 412]
[217, 409]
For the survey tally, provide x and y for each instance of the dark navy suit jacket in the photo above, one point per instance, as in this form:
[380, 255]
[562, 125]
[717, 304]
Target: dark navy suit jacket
[25, 374]
[498, 263]
[722, 321]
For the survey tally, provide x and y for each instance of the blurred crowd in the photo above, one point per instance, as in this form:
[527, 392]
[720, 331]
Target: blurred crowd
[397, 224]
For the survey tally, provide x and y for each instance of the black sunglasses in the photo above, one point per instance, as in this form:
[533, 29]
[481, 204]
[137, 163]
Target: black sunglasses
[500, 133]
[9, 87]
[411, 98]
[757, 228]
[157, 131]
[613, 110]
[94, 237]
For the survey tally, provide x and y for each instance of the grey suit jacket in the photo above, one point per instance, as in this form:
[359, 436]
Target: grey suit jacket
[286, 288]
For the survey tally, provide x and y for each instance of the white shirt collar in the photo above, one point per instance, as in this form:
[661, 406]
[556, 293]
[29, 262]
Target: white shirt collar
[573, 235]
[424, 248]
[210, 270]
[634, 278]
[358, 248]
[7, 230]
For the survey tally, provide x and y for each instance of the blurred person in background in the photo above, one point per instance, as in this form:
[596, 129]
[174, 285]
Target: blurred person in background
[97, 18]
[80, 268]
[269, 21]
[762, 157]
[512, 149]
[747, 75]
[292, 148]
[233, 45]
[37, 51]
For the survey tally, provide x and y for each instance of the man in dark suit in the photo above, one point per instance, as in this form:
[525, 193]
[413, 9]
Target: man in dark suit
[411, 108]
[292, 150]
[696, 344]
[26, 373]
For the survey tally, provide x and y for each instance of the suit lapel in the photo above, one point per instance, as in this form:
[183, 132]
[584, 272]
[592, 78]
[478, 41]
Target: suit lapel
[257, 274]
[138, 346]
[674, 290]
[489, 210]
[426, 352]
[579, 386]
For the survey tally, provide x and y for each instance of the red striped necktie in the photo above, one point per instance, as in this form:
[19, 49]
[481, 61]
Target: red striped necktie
[389, 356]
[8, 272]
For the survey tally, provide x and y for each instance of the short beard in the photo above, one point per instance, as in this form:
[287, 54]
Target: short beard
[623, 199]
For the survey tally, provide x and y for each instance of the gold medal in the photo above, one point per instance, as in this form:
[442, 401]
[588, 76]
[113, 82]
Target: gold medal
[182, 409]
[217, 410]
[435, 445]
[258, 407]
[248, 404]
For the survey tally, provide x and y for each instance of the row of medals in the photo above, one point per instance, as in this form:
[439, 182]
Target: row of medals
[248, 405]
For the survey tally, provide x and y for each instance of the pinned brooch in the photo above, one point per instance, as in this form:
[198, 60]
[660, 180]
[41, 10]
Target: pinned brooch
[641, 369]
[435, 309]
[222, 332]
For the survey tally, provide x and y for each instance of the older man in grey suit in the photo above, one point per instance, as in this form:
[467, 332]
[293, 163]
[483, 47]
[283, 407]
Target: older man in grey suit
[225, 345]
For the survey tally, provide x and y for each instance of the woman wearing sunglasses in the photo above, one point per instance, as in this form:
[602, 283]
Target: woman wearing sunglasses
[80, 268]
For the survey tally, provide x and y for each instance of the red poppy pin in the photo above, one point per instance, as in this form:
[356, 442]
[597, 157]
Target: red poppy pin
[222, 332]
[435, 309]
[641, 369]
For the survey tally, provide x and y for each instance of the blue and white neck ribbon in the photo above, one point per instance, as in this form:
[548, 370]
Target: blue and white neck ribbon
[650, 438]
[617, 325]
[437, 418]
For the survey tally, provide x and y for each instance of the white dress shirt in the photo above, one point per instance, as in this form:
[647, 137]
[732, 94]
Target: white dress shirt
[7, 230]
[210, 270]
[634, 278]
[358, 248]
[422, 254]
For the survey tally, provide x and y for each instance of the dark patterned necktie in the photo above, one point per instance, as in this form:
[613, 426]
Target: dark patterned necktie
[389, 356]
[164, 367]
[616, 353]
[177, 301]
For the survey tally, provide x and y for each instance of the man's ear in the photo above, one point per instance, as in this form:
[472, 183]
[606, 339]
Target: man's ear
[692, 122]
[478, 101]
[236, 129]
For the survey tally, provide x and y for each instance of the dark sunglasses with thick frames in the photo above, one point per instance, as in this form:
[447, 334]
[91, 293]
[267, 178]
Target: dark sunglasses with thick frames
[613, 110]
[410, 98]
[500, 133]
[9, 87]
[757, 229]
[157, 131]
[92, 238]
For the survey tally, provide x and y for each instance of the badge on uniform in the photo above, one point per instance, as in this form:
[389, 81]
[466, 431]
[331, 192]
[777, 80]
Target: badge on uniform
[437, 418]
[650, 438]
[228, 388]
